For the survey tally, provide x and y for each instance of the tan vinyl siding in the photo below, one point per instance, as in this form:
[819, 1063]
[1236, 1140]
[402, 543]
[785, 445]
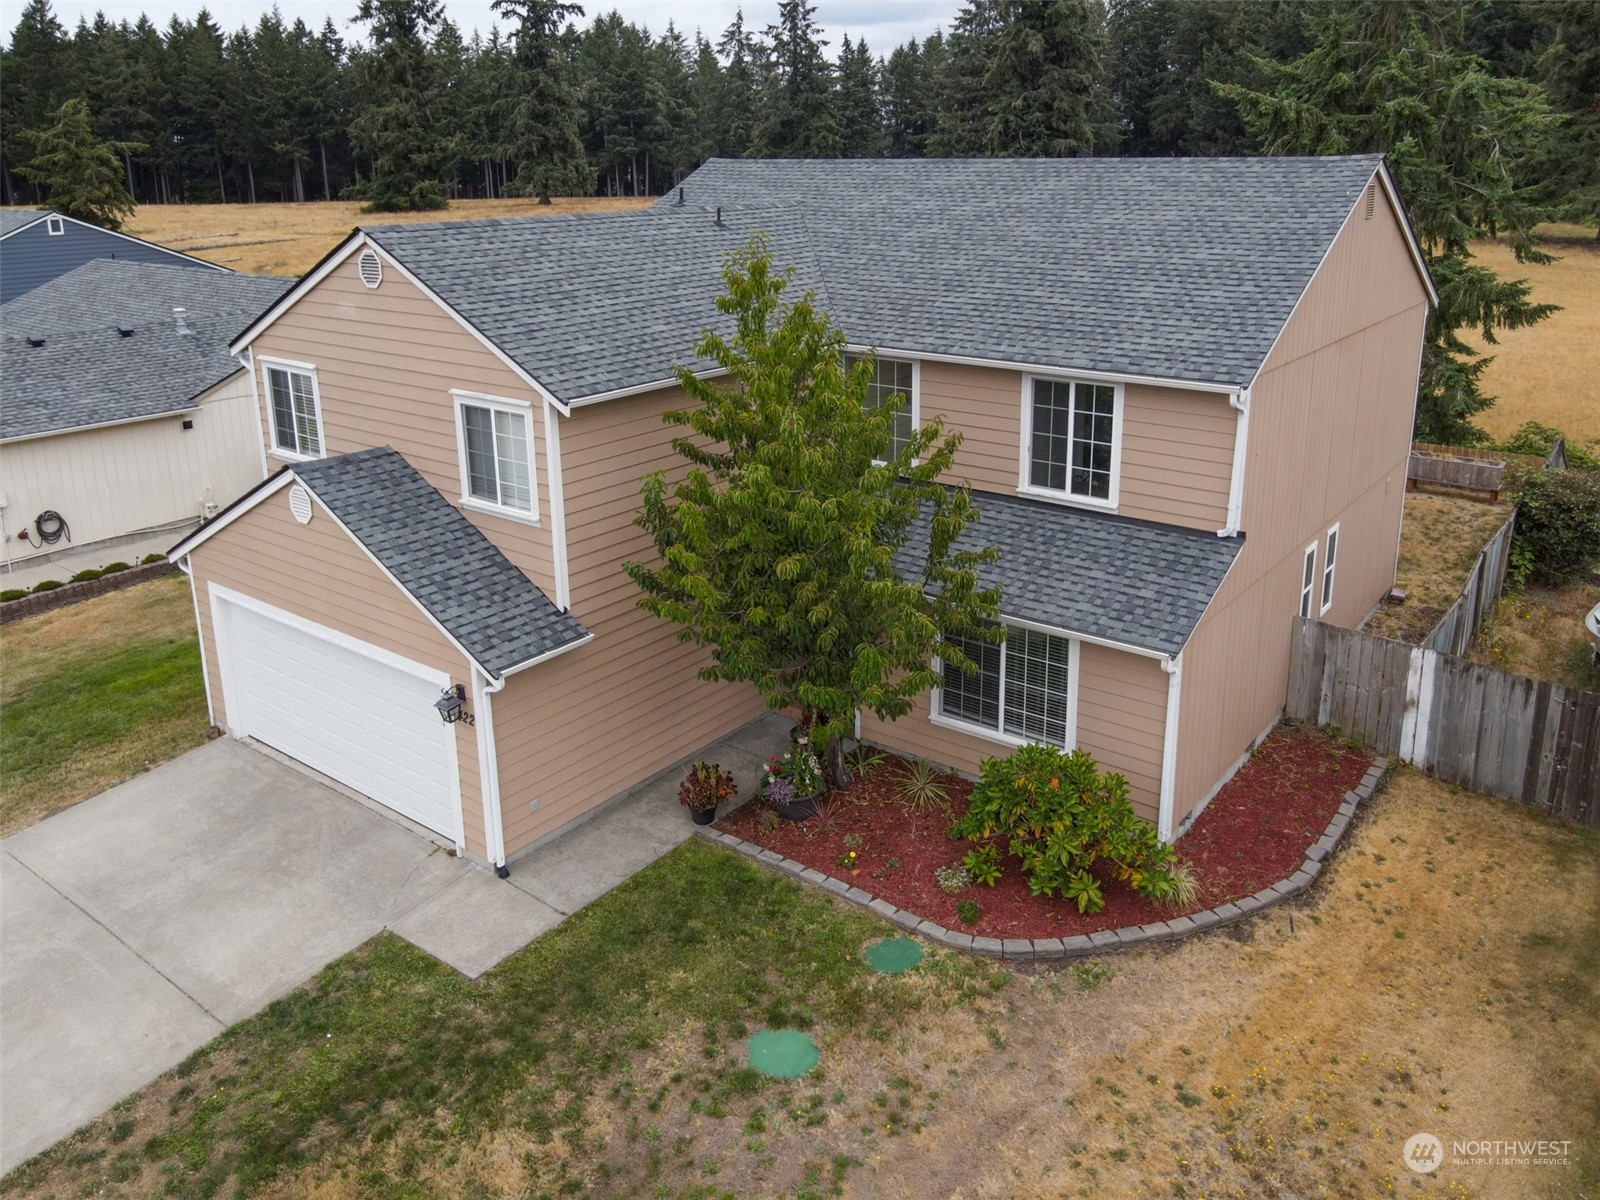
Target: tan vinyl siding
[1122, 709]
[574, 731]
[1177, 445]
[386, 360]
[318, 573]
[146, 475]
[1330, 432]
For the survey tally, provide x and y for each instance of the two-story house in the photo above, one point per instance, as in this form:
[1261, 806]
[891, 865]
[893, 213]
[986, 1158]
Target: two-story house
[1186, 389]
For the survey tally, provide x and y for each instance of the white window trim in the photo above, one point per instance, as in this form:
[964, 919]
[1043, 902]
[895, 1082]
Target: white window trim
[304, 368]
[1025, 452]
[1308, 590]
[55, 226]
[916, 389]
[1330, 563]
[936, 714]
[463, 399]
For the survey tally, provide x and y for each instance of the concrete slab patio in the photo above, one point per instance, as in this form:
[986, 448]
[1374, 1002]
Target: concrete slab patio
[139, 924]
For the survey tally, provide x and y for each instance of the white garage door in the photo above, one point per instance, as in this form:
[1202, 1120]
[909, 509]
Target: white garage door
[349, 710]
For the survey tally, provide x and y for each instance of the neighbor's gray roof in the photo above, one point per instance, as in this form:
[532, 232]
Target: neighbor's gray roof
[13, 219]
[492, 609]
[1171, 268]
[1092, 573]
[87, 373]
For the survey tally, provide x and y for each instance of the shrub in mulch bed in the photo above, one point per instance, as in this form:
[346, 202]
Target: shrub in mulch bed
[1254, 832]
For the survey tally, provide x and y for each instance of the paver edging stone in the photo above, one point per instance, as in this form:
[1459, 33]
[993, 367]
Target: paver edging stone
[1078, 945]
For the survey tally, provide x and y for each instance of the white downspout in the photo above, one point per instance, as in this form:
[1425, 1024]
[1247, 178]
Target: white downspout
[1169, 746]
[1239, 401]
[494, 836]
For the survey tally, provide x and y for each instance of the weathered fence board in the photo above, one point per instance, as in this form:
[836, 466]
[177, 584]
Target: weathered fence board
[1462, 620]
[1487, 730]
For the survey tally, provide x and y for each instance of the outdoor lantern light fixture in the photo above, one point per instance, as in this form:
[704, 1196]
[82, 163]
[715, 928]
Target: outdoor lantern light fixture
[452, 705]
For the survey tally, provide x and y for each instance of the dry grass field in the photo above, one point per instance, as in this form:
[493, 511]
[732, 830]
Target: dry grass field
[288, 239]
[1441, 536]
[1539, 632]
[1550, 372]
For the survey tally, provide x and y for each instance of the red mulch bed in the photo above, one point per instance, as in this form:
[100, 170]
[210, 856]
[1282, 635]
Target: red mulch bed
[1254, 832]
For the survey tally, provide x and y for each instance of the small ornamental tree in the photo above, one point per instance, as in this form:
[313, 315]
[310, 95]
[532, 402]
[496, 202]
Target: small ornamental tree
[778, 548]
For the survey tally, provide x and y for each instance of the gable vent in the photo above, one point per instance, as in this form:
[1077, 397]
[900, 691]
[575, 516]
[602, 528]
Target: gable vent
[370, 267]
[1372, 197]
[300, 504]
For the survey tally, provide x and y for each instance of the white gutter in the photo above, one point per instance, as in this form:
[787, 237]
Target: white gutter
[494, 835]
[1169, 747]
[1239, 401]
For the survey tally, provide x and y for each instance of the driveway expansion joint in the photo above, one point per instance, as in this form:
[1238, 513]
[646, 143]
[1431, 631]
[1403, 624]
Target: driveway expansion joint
[1100, 941]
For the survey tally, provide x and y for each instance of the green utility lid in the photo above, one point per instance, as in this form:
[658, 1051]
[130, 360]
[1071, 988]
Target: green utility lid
[782, 1053]
[893, 955]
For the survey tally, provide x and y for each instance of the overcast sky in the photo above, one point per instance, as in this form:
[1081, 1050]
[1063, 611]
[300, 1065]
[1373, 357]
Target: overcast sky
[884, 23]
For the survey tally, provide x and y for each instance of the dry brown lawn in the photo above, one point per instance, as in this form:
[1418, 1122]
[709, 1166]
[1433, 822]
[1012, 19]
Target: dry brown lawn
[1539, 632]
[288, 239]
[1549, 372]
[1440, 539]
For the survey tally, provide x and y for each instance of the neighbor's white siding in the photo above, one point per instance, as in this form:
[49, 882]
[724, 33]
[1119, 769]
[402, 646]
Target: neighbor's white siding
[129, 478]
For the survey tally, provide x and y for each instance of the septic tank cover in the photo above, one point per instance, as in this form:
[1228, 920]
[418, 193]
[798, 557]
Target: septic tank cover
[893, 955]
[782, 1053]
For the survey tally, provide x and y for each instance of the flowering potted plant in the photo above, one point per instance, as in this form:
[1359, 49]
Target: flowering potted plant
[794, 782]
[706, 786]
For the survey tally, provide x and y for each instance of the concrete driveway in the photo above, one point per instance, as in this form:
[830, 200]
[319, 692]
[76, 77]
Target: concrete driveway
[138, 925]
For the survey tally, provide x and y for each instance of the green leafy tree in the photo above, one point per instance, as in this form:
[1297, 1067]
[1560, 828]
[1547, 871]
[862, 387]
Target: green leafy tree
[1460, 143]
[777, 549]
[80, 175]
[400, 123]
[542, 128]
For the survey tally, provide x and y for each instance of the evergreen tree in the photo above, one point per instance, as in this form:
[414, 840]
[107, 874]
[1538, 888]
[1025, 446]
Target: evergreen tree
[738, 100]
[797, 112]
[911, 80]
[1459, 141]
[777, 550]
[542, 121]
[399, 122]
[79, 175]
[1570, 72]
[857, 104]
[36, 78]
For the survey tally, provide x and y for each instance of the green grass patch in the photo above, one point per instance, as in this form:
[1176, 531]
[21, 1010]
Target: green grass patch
[388, 1060]
[92, 693]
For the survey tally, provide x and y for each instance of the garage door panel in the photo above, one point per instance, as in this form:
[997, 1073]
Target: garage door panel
[355, 717]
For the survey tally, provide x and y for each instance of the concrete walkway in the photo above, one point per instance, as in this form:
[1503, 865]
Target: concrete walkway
[139, 924]
[67, 560]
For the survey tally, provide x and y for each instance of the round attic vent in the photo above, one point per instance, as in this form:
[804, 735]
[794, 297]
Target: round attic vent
[370, 267]
[300, 504]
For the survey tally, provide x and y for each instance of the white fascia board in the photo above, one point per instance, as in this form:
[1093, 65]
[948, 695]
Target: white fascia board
[1405, 228]
[190, 259]
[42, 215]
[638, 389]
[262, 323]
[545, 657]
[1193, 385]
[539, 389]
[1062, 631]
[188, 407]
[205, 532]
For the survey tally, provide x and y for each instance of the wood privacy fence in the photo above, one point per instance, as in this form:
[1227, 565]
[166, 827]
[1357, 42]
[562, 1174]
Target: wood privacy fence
[1462, 620]
[1522, 739]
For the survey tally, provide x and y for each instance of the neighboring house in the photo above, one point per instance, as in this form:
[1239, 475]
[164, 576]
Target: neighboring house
[37, 245]
[1186, 389]
[121, 409]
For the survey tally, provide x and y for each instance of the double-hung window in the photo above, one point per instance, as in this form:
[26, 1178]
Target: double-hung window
[296, 422]
[1073, 440]
[496, 454]
[1308, 580]
[1330, 558]
[1022, 691]
[893, 377]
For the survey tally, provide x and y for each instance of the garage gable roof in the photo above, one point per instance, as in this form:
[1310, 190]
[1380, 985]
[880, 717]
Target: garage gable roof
[494, 613]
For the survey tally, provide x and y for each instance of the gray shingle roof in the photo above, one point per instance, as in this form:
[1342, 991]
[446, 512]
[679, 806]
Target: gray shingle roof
[87, 373]
[492, 609]
[1170, 268]
[589, 303]
[13, 219]
[1092, 573]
